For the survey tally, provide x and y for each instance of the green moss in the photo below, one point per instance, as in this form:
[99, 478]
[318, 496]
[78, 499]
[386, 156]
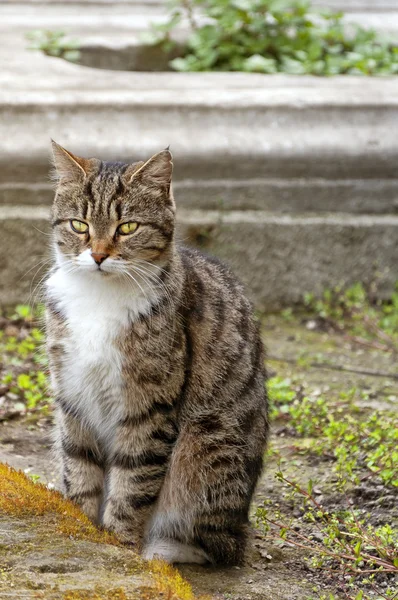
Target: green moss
[23, 499]
[20, 497]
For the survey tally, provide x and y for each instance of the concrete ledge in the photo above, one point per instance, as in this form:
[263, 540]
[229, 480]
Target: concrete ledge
[221, 126]
[281, 195]
[279, 257]
[288, 127]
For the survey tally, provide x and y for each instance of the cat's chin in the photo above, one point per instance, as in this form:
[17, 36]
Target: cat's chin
[100, 273]
[94, 272]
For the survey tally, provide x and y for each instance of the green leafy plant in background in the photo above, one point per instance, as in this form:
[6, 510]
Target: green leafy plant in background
[54, 43]
[274, 36]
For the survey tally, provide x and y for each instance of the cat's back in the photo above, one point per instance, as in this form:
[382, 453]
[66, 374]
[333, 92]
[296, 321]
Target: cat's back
[211, 288]
[224, 337]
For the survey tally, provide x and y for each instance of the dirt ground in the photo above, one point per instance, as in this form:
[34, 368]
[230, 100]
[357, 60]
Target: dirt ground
[321, 361]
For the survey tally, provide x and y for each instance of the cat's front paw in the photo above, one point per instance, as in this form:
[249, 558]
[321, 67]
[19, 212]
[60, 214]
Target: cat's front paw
[123, 528]
[90, 507]
[173, 551]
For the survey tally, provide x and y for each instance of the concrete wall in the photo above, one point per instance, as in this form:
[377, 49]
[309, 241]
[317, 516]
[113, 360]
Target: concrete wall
[292, 180]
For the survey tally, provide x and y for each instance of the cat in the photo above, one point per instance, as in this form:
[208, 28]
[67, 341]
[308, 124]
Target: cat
[156, 364]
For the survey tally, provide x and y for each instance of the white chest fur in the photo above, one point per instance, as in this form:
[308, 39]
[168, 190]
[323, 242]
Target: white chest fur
[98, 311]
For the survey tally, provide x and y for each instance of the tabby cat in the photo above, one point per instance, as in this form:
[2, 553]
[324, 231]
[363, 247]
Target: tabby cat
[156, 365]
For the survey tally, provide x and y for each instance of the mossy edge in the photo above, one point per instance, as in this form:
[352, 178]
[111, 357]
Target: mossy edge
[22, 498]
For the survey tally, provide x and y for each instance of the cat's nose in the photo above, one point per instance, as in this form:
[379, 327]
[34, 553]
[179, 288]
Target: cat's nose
[99, 257]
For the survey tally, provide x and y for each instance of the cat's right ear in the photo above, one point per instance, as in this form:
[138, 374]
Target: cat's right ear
[157, 171]
[68, 168]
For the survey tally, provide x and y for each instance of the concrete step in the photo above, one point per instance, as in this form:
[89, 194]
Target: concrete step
[119, 24]
[288, 195]
[239, 140]
[279, 257]
[300, 143]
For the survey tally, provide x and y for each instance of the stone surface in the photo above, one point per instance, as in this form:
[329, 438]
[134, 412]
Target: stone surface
[39, 566]
[281, 257]
[248, 125]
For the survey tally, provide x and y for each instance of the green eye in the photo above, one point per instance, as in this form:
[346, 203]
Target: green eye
[126, 228]
[79, 226]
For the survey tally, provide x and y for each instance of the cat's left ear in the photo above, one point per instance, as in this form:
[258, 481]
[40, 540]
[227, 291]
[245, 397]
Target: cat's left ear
[157, 171]
[68, 167]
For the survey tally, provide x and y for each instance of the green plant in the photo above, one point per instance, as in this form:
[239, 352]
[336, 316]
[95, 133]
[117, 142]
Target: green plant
[271, 36]
[17, 350]
[355, 312]
[23, 377]
[30, 389]
[344, 543]
[24, 312]
[356, 442]
[54, 43]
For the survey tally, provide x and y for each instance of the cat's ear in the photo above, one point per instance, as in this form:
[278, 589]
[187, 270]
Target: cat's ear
[156, 171]
[68, 167]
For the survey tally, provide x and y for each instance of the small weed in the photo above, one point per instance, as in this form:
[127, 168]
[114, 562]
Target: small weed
[343, 542]
[54, 43]
[356, 442]
[362, 445]
[24, 312]
[354, 312]
[23, 370]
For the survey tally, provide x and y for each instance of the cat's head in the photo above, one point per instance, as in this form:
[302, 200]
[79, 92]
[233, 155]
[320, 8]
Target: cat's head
[110, 218]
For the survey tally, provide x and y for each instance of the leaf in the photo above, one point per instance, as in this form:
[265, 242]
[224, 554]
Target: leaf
[260, 64]
[71, 55]
[293, 67]
[180, 64]
[357, 549]
[24, 381]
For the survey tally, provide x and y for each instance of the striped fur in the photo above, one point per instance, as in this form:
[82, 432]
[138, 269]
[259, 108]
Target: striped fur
[157, 369]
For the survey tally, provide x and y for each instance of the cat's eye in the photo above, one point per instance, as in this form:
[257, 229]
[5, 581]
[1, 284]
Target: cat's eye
[126, 228]
[79, 226]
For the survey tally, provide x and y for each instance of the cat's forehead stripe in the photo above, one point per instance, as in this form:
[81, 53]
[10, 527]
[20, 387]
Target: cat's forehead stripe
[103, 190]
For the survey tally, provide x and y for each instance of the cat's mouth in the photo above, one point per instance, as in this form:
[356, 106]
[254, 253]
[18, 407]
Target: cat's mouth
[102, 271]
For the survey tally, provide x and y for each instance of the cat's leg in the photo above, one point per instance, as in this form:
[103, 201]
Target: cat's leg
[81, 463]
[137, 468]
[202, 512]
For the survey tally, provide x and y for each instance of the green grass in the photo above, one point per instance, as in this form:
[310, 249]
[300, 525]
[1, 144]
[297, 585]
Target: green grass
[348, 445]
[354, 445]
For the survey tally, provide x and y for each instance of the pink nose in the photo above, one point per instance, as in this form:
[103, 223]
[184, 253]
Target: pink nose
[98, 257]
